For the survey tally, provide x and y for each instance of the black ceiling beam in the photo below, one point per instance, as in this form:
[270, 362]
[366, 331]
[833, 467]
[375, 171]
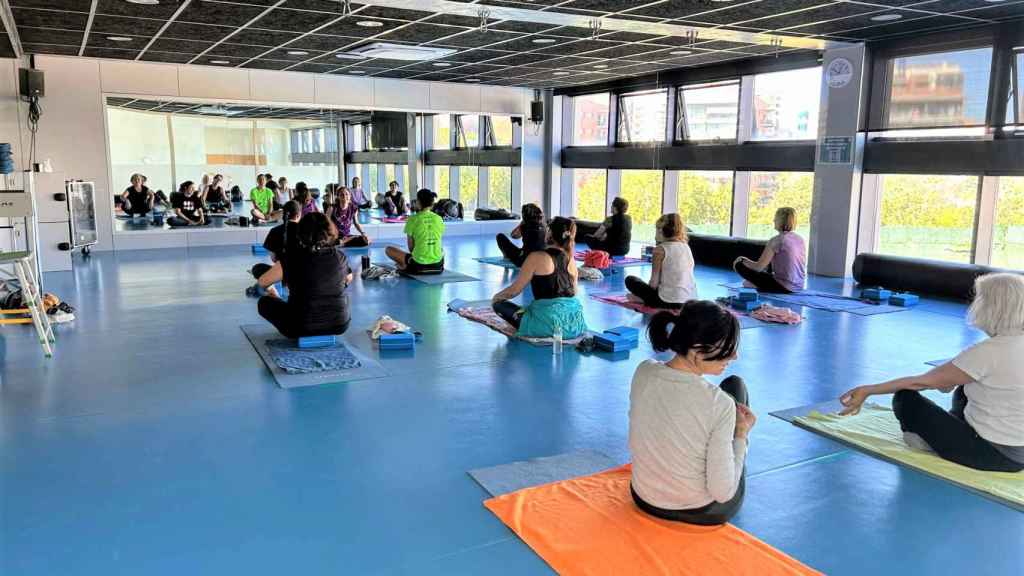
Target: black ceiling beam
[755, 156]
[956, 157]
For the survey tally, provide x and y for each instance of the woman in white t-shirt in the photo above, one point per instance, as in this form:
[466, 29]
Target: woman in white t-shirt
[985, 428]
[688, 437]
[672, 281]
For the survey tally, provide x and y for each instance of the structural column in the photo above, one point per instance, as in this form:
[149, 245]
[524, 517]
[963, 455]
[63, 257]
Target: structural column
[838, 163]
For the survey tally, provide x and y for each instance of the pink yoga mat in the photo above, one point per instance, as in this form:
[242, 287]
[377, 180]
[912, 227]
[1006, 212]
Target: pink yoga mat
[488, 317]
[624, 301]
[617, 260]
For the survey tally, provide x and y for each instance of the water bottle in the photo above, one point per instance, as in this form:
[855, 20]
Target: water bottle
[556, 337]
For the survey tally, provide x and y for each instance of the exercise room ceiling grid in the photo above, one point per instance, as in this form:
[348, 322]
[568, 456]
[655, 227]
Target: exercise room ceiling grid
[310, 35]
[238, 111]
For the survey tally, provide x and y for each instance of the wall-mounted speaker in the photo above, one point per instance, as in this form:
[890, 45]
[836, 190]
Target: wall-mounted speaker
[537, 112]
[30, 83]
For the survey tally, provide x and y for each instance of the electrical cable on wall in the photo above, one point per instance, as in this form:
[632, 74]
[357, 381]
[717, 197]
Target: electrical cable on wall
[35, 112]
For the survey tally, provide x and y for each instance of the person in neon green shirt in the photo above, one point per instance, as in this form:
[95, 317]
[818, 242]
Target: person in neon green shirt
[423, 231]
[263, 201]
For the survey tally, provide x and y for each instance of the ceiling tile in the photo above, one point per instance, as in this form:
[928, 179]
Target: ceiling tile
[126, 26]
[172, 57]
[521, 59]
[754, 10]
[629, 37]
[625, 52]
[675, 9]
[393, 73]
[905, 27]
[458, 20]
[202, 12]
[50, 36]
[314, 67]
[525, 27]
[578, 47]
[322, 43]
[182, 46]
[476, 38]
[997, 12]
[478, 55]
[260, 37]
[61, 5]
[348, 27]
[189, 31]
[421, 33]
[479, 69]
[6, 48]
[391, 13]
[207, 60]
[293, 20]
[97, 40]
[283, 54]
[437, 76]
[572, 61]
[571, 32]
[161, 11]
[236, 50]
[110, 53]
[31, 48]
[528, 43]
[49, 19]
[605, 6]
[267, 64]
[819, 14]
[330, 6]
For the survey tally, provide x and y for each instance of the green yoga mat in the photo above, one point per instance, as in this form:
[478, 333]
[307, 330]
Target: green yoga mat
[875, 430]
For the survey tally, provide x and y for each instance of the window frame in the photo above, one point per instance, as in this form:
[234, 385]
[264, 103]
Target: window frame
[681, 130]
[621, 119]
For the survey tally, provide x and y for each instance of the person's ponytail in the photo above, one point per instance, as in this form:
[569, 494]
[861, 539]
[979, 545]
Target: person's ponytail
[660, 329]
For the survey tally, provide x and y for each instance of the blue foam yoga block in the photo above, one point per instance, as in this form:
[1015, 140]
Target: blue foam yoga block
[746, 294]
[258, 249]
[627, 332]
[611, 270]
[744, 305]
[317, 341]
[397, 341]
[876, 294]
[614, 342]
[904, 299]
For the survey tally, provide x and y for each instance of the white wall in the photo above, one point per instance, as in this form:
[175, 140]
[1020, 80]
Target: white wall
[73, 135]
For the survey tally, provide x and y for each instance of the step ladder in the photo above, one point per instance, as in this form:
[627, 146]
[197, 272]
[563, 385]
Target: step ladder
[31, 298]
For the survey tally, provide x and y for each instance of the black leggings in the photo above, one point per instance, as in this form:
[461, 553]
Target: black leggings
[277, 312]
[648, 294]
[948, 433]
[607, 246]
[510, 251]
[510, 311]
[763, 281]
[356, 242]
[260, 269]
[714, 513]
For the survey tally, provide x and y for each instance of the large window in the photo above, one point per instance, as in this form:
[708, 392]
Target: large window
[469, 186]
[786, 105]
[927, 216]
[469, 131]
[590, 120]
[642, 188]
[770, 191]
[642, 116]
[442, 181]
[357, 144]
[704, 201]
[591, 193]
[500, 133]
[389, 174]
[708, 111]
[499, 187]
[442, 131]
[139, 143]
[1015, 103]
[372, 185]
[939, 90]
[1008, 234]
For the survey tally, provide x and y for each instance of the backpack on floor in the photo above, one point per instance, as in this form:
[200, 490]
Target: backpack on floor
[448, 208]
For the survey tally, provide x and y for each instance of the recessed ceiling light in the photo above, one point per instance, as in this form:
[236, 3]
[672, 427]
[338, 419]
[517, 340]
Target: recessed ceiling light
[543, 40]
[298, 53]
[600, 65]
[369, 24]
[145, 2]
[680, 53]
[442, 64]
[220, 62]
[119, 38]
[886, 17]
[356, 71]
[561, 74]
[471, 80]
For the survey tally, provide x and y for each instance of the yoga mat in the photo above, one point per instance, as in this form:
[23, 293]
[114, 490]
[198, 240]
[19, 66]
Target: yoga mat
[497, 261]
[827, 301]
[445, 277]
[508, 478]
[259, 335]
[876, 431]
[488, 317]
[938, 362]
[590, 525]
[623, 301]
[288, 356]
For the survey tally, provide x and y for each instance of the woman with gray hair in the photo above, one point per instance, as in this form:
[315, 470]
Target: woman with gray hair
[985, 428]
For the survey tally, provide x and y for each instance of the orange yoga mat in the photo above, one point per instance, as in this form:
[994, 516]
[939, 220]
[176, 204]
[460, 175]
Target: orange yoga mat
[589, 525]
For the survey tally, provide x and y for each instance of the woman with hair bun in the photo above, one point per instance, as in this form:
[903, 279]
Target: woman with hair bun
[551, 275]
[688, 437]
[672, 282]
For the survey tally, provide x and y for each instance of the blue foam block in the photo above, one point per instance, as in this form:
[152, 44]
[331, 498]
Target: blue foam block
[258, 249]
[611, 270]
[744, 305]
[627, 332]
[746, 294]
[876, 294]
[905, 299]
[398, 341]
[317, 341]
[614, 342]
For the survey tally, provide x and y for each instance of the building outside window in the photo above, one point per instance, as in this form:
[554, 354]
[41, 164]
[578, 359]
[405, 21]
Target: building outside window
[590, 120]
[786, 105]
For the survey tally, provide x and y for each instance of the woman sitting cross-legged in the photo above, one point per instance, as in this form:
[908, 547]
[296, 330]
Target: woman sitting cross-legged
[317, 276]
[688, 437]
[532, 230]
[672, 281]
[985, 428]
[551, 275]
[344, 213]
[188, 207]
[785, 254]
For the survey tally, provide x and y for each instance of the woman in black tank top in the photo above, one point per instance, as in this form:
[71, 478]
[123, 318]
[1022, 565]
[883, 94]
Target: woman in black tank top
[532, 231]
[559, 283]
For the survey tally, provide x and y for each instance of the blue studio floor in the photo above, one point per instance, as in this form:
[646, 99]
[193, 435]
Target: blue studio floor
[156, 441]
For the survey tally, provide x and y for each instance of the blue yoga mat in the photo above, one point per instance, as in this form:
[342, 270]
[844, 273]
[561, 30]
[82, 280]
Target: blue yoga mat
[508, 478]
[498, 261]
[323, 366]
[827, 301]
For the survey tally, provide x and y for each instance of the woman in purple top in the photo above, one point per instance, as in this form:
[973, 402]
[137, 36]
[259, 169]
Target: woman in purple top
[343, 212]
[305, 198]
[785, 254]
[358, 196]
